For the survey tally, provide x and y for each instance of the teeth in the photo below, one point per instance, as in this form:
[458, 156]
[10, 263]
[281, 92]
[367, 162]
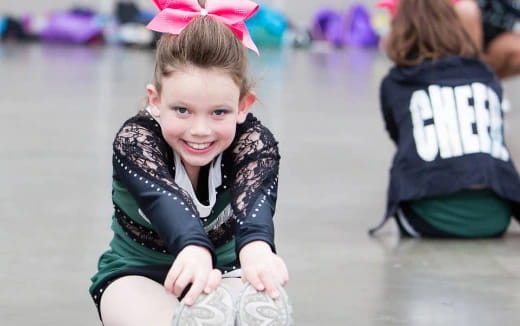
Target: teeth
[199, 146]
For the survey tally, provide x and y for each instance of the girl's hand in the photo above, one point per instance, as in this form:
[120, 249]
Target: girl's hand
[262, 268]
[192, 265]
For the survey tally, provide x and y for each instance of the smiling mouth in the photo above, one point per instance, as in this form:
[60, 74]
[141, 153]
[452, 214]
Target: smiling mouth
[198, 146]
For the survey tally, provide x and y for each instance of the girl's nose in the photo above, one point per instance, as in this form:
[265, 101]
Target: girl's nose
[200, 127]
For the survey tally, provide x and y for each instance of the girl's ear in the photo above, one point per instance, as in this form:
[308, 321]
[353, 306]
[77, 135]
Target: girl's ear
[245, 105]
[153, 100]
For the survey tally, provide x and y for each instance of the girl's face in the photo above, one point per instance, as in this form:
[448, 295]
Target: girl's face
[199, 109]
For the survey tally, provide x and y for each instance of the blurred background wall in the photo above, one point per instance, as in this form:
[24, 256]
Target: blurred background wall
[299, 11]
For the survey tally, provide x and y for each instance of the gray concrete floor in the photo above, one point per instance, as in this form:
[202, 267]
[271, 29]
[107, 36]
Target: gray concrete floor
[61, 105]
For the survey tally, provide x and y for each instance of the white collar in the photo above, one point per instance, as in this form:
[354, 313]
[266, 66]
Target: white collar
[214, 181]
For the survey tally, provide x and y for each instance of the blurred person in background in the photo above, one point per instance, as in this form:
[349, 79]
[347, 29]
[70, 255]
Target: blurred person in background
[452, 175]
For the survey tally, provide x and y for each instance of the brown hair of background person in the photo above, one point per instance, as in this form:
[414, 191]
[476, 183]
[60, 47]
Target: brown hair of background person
[427, 30]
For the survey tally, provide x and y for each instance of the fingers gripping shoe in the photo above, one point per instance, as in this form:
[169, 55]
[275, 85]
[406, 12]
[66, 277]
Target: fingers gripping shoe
[214, 309]
[259, 309]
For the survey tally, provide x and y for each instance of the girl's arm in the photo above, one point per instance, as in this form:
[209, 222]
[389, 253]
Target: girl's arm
[254, 192]
[256, 161]
[140, 163]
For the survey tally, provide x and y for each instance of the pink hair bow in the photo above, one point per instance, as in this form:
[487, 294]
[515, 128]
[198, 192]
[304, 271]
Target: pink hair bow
[175, 15]
[391, 5]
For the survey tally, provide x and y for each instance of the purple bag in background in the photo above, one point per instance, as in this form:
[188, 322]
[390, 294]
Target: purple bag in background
[72, 27]
[358, 28]
[327, 26]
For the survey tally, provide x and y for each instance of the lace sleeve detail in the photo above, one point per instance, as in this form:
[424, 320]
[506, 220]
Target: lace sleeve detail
[143, 163]
[144, 148]
[256, 164]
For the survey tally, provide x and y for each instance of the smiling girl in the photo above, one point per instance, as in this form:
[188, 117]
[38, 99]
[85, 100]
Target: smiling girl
[195, 185]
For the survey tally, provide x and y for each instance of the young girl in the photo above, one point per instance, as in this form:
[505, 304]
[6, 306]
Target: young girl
[452, 175]
[194, 185]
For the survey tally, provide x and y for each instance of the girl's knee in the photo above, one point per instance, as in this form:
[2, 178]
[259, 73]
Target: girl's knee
[514, 63]
[515, 48]
[504, 55]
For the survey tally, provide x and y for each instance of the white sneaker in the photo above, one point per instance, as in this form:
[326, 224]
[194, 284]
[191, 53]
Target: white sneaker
[259, 309]
[214, 309]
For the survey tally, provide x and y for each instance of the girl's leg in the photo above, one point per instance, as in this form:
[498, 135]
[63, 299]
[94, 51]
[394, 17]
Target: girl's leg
[137, 300]
[503, 54]
[469, 13]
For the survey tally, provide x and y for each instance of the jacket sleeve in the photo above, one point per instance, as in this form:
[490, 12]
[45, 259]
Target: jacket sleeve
[386, 110]
[254, 192]
[140, 164]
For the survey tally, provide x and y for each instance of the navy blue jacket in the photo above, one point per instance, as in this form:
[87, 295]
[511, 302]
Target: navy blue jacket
[447, 122]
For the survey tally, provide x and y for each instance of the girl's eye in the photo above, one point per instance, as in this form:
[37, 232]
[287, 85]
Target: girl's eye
[180, 109]
[220, 112]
